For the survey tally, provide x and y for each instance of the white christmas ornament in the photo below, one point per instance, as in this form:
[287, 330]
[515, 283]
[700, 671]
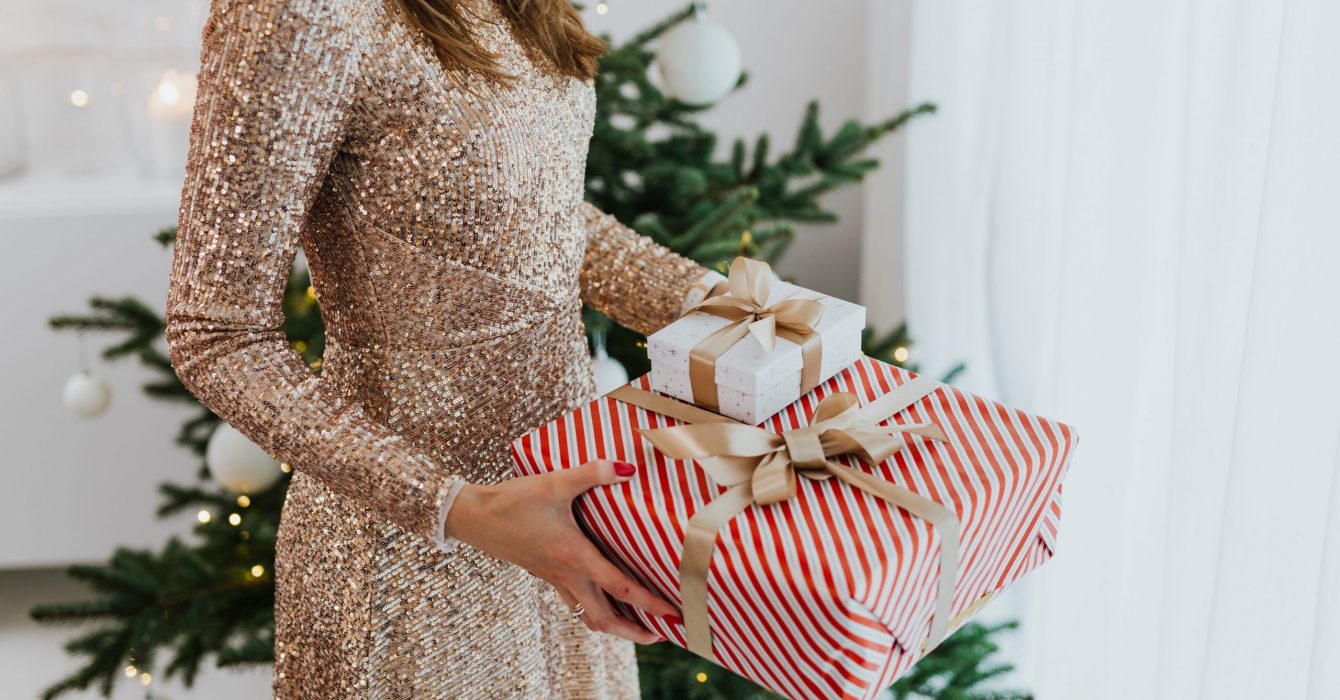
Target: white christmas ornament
[238, 464]
[609, 372]
[86, 395]
[699, 61]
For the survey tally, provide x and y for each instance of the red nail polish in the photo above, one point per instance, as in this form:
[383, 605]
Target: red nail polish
[674, 619]
[624, 469]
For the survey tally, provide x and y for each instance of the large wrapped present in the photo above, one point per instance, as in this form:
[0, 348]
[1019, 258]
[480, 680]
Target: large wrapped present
[751, 352]
[822, 553]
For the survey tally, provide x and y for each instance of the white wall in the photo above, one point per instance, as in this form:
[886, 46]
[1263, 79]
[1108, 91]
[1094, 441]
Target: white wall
[79, 488]
[886, 58]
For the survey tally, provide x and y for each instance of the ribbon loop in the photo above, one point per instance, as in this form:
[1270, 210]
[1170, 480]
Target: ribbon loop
[833, 406]
[749, 279]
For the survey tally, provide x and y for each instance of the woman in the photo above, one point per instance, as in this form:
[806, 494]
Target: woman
[428, 156]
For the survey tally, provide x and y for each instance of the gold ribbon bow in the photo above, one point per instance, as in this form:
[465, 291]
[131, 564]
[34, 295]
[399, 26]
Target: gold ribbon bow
[760, 468]
[793, 319]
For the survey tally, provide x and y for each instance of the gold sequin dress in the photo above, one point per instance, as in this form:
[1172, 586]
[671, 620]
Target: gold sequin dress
[451, 251]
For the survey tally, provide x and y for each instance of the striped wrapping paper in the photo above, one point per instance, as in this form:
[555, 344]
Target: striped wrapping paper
[828, 595]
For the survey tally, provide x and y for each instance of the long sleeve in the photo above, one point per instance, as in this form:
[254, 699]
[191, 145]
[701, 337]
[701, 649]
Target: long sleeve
[634, 280]
[276, 93]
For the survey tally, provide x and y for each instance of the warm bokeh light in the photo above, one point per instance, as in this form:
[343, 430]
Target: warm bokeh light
[168, 92]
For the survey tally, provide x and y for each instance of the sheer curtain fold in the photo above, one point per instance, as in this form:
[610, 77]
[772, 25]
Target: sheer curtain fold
[1125, 215]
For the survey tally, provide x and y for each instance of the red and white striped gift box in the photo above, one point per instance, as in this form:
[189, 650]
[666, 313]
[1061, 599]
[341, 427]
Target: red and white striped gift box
[828, 595]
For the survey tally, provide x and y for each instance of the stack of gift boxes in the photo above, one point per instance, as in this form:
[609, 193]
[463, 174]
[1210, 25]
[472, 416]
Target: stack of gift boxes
[823, 519]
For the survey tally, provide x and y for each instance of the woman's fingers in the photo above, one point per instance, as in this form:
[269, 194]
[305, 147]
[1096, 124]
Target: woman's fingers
[600, 616]
[595, 473]
[621, 587]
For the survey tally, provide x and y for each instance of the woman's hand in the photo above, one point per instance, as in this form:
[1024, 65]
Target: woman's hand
[528, 521]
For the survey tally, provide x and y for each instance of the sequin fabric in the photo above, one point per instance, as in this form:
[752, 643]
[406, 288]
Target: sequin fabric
[450, 251]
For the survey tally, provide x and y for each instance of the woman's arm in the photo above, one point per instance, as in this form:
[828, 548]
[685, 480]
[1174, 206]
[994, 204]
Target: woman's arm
[276, 91]
[635, 281]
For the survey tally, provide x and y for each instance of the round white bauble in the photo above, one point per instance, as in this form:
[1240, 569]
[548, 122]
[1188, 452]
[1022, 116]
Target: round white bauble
[699, 61]
[238, 464]
[86, 395]
[610, 374]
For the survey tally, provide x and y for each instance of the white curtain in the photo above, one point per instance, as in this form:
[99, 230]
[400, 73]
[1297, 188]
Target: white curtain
[1127, 216]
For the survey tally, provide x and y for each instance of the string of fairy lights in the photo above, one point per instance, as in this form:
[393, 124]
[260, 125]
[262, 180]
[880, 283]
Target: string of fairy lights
[205, 516]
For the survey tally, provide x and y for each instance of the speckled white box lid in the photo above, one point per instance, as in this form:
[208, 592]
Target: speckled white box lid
[746, 367]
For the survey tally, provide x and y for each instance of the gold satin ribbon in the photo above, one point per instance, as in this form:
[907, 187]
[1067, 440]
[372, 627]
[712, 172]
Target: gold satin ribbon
[760, 467]
[793, 319]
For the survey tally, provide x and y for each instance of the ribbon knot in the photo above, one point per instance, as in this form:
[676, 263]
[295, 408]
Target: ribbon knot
[746, 306]
[805, 448]
[759, 467]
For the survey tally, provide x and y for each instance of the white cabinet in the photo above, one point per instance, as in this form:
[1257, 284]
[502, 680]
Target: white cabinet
[74, 489]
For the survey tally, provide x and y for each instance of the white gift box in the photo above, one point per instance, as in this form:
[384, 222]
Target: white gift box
[754, 384]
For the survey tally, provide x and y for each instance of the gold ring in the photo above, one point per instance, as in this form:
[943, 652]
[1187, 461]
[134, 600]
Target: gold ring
[577, 612]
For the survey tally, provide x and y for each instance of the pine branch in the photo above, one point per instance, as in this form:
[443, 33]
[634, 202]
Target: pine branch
[727, 218]
[180, 498]
[958, 667]
[641, 39]
[251, 651]
[888, 126]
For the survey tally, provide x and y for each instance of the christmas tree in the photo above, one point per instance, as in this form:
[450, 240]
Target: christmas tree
[211, 599]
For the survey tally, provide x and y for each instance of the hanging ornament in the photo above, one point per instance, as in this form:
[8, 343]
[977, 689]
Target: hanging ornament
[86, 395]
[238, 464]
[609, 372]
[699, 60]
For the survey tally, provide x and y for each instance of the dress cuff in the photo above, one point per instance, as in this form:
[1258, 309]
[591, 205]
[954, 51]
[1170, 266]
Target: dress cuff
[444, 543]
[701, 289]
